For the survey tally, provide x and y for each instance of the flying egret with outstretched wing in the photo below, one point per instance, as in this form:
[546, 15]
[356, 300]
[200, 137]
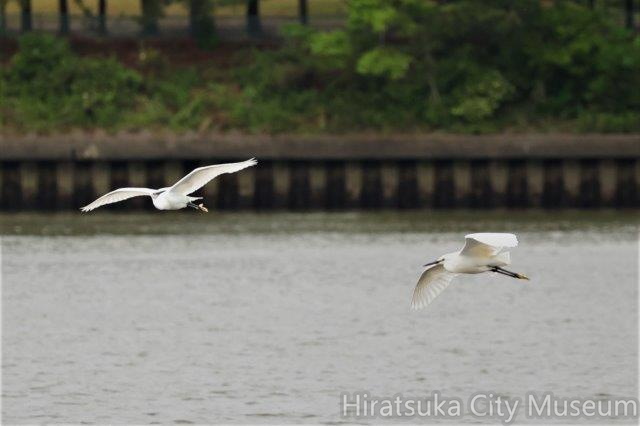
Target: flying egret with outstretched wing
[177, 196]
[482, 252]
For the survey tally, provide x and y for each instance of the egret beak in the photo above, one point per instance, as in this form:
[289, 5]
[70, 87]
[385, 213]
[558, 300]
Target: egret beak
[435, 262]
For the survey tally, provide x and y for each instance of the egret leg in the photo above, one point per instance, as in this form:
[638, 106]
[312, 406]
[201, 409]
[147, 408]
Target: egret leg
[509, 273]
[197, 206]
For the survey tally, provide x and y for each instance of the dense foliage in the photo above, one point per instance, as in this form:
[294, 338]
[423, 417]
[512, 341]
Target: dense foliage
[46, 86]
[470, 65]
[398, 65]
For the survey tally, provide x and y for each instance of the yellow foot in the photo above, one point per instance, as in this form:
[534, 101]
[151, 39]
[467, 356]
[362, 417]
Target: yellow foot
[523, 277]
[203, 208]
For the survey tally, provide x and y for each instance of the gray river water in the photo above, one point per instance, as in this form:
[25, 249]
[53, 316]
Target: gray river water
[248, 318]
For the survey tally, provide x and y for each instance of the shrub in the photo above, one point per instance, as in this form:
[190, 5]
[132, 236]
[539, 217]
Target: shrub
[46, 86]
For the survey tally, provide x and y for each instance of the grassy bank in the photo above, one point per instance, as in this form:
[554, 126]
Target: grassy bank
[410, 66]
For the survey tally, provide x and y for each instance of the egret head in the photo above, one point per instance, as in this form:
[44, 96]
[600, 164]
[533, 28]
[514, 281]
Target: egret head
[443, 258]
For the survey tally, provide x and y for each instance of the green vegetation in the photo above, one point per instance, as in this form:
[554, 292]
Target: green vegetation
[180, 7]
[398, 65]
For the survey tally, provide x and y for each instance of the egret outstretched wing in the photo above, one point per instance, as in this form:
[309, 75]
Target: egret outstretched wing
[117, 195]
[486, 244]
[431, 283]
[202, 175]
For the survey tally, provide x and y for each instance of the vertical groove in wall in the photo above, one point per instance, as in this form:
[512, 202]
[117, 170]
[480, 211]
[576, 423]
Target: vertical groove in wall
[47, 186]
[11, 189]
[553, 195]
[517, 188]
[371, 195]
[299, 188]
[101, 179]
[407, 185]
[335, 191]
[481, 192]
[173, 172]
[571, 178]
[499, 176]
[83, 185]
[318, 185]
[388, 184]
[281, 184]
[626, 185]
[2, 191]
[444, 187]
[29, 185]
[246, 188]
[353, 184]
[589, 184]
[263, 194]
[64, 183]
[425, 177]
[636, 182]
[154, 175]
[535, 182]
[462, 183]
[3, 205]
[607, 176]
[227, 191]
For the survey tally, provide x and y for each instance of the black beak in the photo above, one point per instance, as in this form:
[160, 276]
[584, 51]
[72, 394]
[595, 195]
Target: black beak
[435, 262]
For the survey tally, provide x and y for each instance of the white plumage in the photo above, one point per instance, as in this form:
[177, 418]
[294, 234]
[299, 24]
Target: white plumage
[177, 196]
[432, 282]
[489, 242]
[482, 252]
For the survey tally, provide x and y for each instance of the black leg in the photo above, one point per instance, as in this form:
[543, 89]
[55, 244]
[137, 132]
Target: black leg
[508, 273]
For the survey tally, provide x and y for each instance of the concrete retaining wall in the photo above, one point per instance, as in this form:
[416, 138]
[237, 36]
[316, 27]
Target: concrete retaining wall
[346, 172]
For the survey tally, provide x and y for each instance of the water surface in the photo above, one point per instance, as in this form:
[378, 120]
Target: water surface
[249, 318]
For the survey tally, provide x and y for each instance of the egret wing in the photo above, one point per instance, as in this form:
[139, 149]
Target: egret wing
[487, 244]
[117, 195]
[202, 175]
[431, 283]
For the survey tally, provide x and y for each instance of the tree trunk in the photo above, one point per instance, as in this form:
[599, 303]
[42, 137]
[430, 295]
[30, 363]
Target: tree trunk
[254, 27]
[3, 16]
[26, 15]
[629, 13]
[303, 11]
[102, 16]
[150, 13]
[64, 16]
[200, 19]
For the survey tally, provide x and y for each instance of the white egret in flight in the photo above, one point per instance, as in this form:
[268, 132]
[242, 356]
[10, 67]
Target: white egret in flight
[482, 252]
[177, 196]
